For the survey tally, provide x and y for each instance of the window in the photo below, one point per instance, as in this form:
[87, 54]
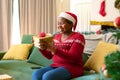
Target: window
[15, 24]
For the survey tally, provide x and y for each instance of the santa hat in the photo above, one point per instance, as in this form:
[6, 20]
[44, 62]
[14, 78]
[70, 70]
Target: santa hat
[71, 17]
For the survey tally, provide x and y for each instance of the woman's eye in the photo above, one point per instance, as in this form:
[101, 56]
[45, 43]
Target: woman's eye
[60, 23]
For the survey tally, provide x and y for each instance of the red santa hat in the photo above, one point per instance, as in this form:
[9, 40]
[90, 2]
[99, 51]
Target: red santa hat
[71, 17]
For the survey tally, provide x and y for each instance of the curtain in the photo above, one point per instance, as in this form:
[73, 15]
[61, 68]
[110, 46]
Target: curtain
[5, 24]
[37, 16]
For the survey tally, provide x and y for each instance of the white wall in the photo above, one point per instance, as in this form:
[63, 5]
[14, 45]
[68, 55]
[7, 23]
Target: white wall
[61, 6]
[111, 11]
[82, 8]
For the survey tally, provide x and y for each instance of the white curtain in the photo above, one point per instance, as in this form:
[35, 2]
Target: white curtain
[5, 24]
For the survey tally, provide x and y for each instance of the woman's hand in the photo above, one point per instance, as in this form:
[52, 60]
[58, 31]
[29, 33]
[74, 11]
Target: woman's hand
[45, 45]
[51, 47]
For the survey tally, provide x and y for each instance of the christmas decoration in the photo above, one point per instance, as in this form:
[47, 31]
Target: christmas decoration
[42, 34]
[102, 8]
[103, 67]
[112, 62]
[117, 34]
[105, 71]
[117, 4]
[106, 74]
[117, 22]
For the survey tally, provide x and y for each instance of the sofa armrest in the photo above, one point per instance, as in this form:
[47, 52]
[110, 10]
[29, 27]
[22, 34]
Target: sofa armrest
[2, 54]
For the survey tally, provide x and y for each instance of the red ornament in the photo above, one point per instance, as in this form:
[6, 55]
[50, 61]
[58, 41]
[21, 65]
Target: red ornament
[105, 71]
[42, 34]
[117, 22]
[103, 67]
[99, 32]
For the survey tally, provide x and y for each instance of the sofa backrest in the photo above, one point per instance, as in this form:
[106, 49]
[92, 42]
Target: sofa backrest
[27, 39]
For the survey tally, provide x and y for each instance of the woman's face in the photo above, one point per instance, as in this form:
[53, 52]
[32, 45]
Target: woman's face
[64, 25]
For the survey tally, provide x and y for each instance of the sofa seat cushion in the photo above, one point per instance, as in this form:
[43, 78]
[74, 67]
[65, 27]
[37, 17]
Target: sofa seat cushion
[19, 70]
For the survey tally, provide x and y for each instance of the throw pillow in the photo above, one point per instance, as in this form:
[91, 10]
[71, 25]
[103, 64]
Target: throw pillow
[96, 60]
[37, 58]
[18, 51]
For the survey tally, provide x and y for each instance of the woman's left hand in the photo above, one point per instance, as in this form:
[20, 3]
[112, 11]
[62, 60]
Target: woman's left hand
[47, 46]
[51, 47]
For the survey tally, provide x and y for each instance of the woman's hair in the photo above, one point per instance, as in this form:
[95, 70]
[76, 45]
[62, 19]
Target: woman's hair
[68, 21]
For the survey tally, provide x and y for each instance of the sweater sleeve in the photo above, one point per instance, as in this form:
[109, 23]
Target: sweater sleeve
[46, 54]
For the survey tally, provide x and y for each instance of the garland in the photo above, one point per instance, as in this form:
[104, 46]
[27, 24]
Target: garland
[117, 4]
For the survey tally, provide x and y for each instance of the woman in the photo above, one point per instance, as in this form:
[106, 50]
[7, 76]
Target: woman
[66, 52]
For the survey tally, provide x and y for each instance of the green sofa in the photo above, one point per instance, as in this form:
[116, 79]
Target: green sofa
[22, 69]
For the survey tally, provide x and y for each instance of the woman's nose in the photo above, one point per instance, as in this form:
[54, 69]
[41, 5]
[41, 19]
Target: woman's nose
[59, 26]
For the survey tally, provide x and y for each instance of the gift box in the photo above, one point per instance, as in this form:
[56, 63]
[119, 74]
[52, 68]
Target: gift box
[37, 39]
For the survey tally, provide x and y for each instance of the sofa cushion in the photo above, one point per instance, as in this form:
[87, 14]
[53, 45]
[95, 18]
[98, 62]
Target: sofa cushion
[37, 58]
[18, 51]
[96, 60]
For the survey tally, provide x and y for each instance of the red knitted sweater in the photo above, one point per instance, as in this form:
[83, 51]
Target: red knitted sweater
[68, 53]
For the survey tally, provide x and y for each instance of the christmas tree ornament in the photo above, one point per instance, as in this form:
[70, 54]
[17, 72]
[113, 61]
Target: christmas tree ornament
[105, 73]
[103, 67]
[117, 22]
[42, 34]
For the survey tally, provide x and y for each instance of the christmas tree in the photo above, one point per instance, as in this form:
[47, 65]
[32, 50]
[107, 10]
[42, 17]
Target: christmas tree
[112, 62]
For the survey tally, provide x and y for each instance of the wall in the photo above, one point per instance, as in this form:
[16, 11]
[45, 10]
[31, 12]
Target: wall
[82, 8]
[111, 11]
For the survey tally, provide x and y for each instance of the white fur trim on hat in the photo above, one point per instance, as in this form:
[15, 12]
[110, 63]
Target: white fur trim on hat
[67, 16]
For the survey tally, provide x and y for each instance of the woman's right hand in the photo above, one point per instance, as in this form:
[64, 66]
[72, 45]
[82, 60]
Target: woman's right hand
[43, 45]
